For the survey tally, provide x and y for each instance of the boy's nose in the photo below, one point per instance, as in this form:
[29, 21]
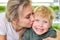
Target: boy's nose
[41, 24]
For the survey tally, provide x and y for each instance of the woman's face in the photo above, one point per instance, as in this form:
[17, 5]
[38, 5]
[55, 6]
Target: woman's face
[26, 18]
[41, 25]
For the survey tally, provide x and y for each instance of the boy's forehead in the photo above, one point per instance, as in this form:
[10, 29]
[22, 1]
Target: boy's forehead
[43, 15]
[41, 18]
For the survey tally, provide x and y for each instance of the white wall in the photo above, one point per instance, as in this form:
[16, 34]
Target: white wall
[34, 2]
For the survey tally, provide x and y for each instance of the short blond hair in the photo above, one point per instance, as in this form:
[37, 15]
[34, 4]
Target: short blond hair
[12, 8]
[45, 11]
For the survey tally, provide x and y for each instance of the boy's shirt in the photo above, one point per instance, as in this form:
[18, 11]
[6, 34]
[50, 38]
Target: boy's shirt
[31, 35]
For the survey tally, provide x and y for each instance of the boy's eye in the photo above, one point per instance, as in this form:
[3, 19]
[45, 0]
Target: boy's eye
[37, 20]
[45, 21]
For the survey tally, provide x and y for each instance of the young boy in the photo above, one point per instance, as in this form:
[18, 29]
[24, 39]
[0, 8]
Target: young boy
[42, 26]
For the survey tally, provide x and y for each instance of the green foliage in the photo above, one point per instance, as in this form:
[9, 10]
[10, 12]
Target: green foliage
[2, 8]
[55, 8]
[34, 7]
[56, 26]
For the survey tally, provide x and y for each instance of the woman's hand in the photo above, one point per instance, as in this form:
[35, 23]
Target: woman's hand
[2, 37]
[49, 38]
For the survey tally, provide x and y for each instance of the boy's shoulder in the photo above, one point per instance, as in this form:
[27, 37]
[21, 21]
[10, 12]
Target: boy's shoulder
[28, 30]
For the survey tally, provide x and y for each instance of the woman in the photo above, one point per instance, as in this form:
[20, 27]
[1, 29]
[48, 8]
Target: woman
[19, 16]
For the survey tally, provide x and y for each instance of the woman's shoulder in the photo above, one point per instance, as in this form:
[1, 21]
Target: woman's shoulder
[2, 17]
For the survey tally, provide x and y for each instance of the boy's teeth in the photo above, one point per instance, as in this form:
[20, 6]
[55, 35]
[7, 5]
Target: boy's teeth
[39, 29]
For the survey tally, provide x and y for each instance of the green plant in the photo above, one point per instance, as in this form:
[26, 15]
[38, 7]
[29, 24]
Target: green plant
[2, 8]
[55, 8]
[34, 7]
[56, 26]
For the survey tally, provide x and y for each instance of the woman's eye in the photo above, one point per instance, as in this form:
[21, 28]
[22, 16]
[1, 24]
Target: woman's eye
[28, 17]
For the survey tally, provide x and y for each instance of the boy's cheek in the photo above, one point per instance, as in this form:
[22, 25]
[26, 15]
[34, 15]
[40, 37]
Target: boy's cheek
[34, 23]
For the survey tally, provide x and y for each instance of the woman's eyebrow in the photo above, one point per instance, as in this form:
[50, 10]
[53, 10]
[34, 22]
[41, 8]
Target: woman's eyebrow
[29, 14]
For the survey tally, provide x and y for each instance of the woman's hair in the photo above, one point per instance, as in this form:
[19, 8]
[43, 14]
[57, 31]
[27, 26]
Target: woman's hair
[13, 6]
[44, 11]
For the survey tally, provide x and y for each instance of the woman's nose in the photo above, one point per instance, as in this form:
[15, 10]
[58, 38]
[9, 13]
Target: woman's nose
[32, 18]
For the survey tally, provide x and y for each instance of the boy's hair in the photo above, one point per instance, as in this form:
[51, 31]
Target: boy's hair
[44, 11]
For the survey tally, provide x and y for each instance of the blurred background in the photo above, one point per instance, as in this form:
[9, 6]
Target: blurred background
[54, 4]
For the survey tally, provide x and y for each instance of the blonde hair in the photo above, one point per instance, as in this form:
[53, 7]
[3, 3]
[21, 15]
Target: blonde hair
[44, 11]
[12, 8]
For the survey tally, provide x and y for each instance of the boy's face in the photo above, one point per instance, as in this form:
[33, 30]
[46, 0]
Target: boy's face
[41, 25]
